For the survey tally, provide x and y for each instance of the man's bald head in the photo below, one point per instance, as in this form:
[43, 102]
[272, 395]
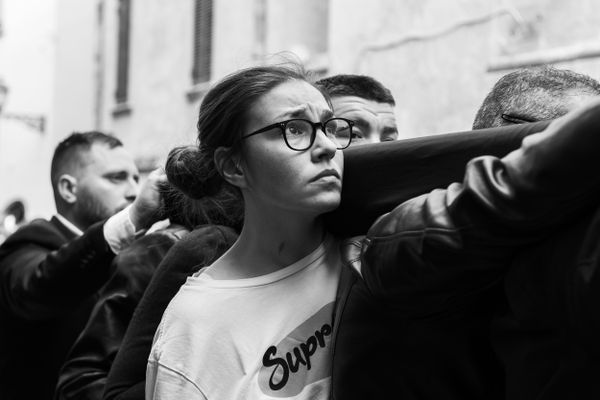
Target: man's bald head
[534, 94]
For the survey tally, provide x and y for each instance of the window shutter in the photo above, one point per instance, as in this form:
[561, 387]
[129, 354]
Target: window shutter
[1, 19]
[202, 41]
[123, 50]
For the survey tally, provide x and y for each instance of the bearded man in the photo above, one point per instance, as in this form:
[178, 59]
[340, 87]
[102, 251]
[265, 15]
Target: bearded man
[50, 270]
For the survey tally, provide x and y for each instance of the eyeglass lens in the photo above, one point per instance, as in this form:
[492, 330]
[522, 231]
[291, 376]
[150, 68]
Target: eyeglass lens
[299, 133]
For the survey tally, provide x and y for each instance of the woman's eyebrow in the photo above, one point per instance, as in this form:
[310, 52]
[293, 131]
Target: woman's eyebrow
[298, 113]
[302, 111]
[294, 113]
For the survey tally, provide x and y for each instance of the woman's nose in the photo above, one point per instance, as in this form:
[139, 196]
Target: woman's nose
[324, 146]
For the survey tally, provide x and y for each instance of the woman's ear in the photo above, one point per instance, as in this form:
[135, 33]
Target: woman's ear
[230, 167]
[67, 188]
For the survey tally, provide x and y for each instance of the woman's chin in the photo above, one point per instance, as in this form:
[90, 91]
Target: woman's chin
[327, 203]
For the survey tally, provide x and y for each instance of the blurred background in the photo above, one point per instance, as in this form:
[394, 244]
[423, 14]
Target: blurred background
[138, 68]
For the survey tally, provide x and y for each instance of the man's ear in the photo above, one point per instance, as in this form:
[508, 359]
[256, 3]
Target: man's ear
[67, 188]
[229, 166]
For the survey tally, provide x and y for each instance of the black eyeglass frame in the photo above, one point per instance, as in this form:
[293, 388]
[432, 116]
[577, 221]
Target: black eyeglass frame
[516, 120]
[283, 124]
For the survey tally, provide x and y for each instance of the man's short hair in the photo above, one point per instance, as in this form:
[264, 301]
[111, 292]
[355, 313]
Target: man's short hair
[524, 86]
[356, 85]
[66, 156]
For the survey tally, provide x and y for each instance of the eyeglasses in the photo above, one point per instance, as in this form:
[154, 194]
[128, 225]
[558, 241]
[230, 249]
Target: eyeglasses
[299, 134]
[516, 120]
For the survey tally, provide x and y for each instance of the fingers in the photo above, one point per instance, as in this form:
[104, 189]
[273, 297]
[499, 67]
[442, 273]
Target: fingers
[145, 209]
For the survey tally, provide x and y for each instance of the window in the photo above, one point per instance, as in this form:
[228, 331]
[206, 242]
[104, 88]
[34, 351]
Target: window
[123, 50]
[202, 41]
[1, 9]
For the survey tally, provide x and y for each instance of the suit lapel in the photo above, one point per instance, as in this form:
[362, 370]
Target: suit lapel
[66, 232]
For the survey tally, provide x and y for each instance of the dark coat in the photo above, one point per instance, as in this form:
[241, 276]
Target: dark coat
[84, 373]
[546, 330]
[417, 325]
[47, 283]
[443, 356]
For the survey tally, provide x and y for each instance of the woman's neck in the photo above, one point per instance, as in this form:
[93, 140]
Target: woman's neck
[268, 243]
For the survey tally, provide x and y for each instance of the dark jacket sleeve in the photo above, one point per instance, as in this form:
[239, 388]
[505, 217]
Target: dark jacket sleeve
[84, 373]
[438, 250]
[379, 176]
[126, 379]
[43, 276]
[583, 288]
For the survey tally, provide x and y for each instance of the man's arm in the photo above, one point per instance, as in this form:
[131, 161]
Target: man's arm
[438, 250]
[41, 276]
[379, 176]
[583, 287]
[41, 280]
[83, 375]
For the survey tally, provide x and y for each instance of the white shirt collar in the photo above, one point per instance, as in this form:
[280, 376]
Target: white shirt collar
[69, 225]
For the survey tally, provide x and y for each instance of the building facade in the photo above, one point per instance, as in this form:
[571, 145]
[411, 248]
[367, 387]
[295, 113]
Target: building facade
[26, 75]
[139, 68]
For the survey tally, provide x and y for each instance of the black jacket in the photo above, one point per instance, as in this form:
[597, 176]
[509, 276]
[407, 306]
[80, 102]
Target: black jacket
[84, 372]
[546, 329]
[417, 325]
[47, 283]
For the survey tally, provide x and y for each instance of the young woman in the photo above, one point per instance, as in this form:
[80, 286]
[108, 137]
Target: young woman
[266, 320]
[258, 322]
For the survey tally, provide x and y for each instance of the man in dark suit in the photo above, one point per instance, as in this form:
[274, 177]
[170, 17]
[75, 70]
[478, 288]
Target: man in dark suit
[50, 270]
[542, 329]
[84, 373]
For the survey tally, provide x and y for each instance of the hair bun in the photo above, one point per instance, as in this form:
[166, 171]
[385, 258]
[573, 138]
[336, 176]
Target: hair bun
[192, 172]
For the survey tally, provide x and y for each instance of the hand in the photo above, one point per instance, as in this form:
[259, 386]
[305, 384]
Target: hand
[145, 208]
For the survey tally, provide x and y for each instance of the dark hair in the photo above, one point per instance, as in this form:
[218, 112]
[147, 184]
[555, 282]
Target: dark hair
[522, 88]
[221, 209]
[356, 85]
[67, 153]
[223, 115]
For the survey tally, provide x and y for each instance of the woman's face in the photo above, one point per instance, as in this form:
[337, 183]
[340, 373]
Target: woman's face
[309, 181]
